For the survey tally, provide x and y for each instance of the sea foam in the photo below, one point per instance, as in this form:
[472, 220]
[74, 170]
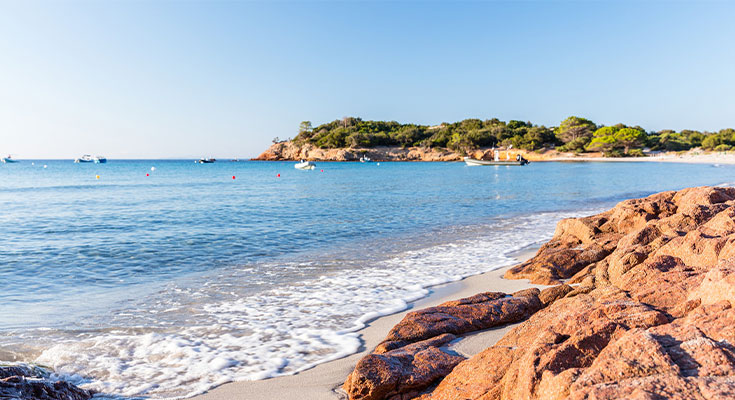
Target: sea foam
[282, 330]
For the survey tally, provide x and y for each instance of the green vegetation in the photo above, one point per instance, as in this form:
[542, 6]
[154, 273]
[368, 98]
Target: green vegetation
[574, 134]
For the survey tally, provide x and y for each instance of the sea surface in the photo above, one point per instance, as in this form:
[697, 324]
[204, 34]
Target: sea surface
[162, 279]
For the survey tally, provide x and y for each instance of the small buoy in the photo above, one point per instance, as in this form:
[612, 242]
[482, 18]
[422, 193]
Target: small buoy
[378, 163]
[33, 163]
[147, 174]
[45, 166]
[321, 170]
[233, 176]
[153, 168]
[278, 176]
[97, 176]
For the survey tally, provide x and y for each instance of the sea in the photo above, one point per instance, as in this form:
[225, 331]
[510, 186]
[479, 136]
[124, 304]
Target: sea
[165, 278]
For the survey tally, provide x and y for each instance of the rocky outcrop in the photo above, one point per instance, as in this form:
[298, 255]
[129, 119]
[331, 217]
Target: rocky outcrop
[646, 311]
[392, 368]
[22, 382]
[290, 151]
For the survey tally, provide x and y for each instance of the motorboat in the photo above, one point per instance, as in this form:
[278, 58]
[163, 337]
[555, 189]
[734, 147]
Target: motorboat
[472, 162]
[9, 160]
[305, 165]
[99, 159]
[206, 160]
[84, 159]
[520, 161]
[365, 158]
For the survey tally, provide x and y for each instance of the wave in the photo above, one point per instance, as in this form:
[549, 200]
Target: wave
[279, 331]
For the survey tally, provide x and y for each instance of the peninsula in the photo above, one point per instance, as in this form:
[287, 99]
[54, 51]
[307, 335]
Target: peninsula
[349, 139]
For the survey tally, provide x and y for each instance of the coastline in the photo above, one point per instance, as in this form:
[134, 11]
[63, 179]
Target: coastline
[288, 151]
[325, 380]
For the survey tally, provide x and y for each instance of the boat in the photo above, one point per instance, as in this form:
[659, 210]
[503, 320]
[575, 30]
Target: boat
[305, 165]
[365, 158]
[84, 159]
[472, 162]
[99, 159]
[206, 160]
[520, 161]
[9, 160]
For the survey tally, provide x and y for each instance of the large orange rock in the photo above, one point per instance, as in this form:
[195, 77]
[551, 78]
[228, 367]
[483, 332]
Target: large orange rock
[402, 371]
[649, 311]
[479, 312]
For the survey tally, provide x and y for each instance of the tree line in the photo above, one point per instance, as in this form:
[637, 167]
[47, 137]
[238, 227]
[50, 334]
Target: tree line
[574, 134]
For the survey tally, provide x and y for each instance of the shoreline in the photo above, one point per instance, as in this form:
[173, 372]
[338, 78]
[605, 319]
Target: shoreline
[324, 380]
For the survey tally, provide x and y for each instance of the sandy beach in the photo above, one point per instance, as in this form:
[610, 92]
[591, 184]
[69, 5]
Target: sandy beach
[687, 158]
[324, 380]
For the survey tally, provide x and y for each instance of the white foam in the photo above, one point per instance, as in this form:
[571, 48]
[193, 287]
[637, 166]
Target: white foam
[282, 330]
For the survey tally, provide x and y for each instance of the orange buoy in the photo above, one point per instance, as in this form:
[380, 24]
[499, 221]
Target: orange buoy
[147, 174]
[279, 175]
[233, 176]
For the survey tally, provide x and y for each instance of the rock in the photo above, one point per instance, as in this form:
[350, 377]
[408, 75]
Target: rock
[22, 382]
[650, 315]
[402, 371]
[717, 285]
[472, 314]
[550, 295]
[289, 150]
[553, 345]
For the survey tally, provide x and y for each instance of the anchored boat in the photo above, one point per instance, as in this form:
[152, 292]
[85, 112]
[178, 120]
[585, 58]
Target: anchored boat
[472, 162]
[9, 160]
[305, 165]
[84, 159]
[520, 161]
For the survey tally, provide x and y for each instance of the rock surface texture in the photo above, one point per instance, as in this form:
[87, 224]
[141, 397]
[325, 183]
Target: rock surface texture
[21, 382]
[643, 309]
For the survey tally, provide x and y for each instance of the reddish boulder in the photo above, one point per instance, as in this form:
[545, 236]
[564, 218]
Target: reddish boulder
[404, 371]
[467, 315]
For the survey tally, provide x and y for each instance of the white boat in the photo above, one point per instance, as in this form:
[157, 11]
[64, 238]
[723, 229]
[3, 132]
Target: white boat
[365, 158]
[305, 165]
[473, 163]
[99, 159]
[9, 160]
[84, 159]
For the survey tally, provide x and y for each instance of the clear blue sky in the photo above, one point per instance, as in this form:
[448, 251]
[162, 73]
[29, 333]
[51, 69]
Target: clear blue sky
[133, 79]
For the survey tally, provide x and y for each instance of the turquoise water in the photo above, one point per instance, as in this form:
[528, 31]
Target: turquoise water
[267, 275]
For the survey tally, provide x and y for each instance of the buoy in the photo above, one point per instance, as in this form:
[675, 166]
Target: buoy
[321, 170]
[147, 174]
[97, 176]
[278, 176]
[233, 176]
[33, 163]
[45, 165]
[378, 163]
[153, 168]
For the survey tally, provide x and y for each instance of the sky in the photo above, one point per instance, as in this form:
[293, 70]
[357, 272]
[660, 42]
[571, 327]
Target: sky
[186, 79]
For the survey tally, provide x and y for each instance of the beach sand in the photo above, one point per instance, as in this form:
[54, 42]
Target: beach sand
[324, 380]
[686, 158]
